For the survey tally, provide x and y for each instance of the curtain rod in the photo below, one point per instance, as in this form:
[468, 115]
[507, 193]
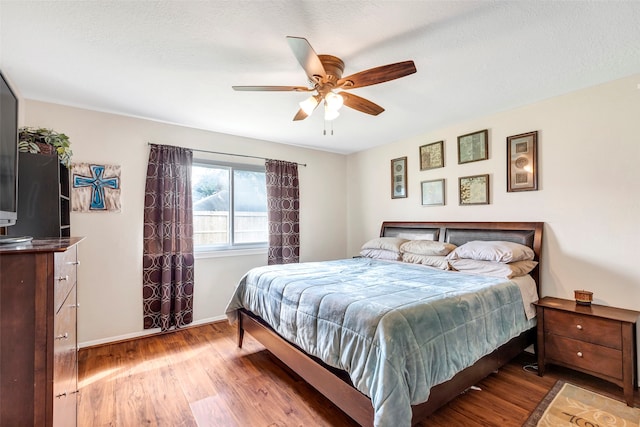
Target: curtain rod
[229, 154]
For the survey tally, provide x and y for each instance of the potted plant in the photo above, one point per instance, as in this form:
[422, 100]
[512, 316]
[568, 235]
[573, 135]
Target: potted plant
[45, 141]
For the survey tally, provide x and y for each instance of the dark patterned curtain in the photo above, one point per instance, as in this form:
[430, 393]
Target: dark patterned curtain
[283, 205]
[167, 261]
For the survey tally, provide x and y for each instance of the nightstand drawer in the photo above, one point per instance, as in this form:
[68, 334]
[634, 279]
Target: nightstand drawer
[584, 355]
[584, 328]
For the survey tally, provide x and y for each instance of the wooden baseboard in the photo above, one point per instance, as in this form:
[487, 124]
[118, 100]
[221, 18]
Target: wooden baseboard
[146, 334]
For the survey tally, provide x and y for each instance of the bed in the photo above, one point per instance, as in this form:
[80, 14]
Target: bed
[388, 366]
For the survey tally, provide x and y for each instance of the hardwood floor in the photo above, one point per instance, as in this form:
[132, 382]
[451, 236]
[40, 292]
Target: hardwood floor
[198, 377]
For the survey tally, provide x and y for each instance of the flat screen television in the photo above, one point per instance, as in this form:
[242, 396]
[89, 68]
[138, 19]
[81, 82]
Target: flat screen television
[8, 154]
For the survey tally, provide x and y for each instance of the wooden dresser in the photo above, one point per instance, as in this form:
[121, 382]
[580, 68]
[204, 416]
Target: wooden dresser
[595, 339]
[38, 341]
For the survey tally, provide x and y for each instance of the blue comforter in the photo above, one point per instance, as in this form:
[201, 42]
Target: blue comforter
[396, 329]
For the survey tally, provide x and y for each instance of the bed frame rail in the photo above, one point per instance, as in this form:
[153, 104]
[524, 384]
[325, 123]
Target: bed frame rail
[352, 402]
[312, 370]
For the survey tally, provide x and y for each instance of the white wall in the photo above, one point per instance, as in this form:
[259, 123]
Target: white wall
[588, 197]
[110, 274]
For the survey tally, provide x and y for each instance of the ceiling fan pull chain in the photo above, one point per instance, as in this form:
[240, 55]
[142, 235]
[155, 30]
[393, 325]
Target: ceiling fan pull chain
[324, 132]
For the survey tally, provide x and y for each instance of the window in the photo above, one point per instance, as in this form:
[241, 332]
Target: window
[229, 206]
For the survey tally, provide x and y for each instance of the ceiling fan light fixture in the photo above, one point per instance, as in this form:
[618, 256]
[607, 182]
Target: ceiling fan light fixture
[309, 104]
[329, 113]
[333, 101]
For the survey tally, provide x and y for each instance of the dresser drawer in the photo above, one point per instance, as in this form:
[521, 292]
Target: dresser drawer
[585, 328]
[64, 275]
[65, 341]
[65, 363]
[584, 355]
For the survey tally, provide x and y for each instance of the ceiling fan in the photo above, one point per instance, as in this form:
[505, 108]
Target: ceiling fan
[328, 85]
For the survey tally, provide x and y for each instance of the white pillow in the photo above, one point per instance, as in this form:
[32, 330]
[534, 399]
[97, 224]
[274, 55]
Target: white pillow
[386, 243]
[496, 251]
[427, 247]
[494, 269]
[380, 254]
[432, 261]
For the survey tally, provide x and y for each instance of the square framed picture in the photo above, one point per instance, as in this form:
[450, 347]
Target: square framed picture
[433, 192]
[399, 178]
[432, 156]
[473, 147]
[474, 190]
[522, 162]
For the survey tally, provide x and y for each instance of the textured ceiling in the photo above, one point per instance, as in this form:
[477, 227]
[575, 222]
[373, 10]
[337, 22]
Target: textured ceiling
[175, 61]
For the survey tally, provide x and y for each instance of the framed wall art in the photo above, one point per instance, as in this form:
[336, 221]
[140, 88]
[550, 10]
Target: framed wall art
[95, 187]
[473, 147]
[432, 156]
[474, 190]
[522, 162]
[433, 192]
[399, 178]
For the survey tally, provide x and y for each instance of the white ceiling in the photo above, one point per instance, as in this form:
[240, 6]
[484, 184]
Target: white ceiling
[175, 61]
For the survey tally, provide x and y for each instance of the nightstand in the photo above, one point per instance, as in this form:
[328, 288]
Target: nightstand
[594, 339]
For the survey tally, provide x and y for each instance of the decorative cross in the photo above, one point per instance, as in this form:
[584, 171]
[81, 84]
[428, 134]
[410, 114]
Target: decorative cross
[97, 183]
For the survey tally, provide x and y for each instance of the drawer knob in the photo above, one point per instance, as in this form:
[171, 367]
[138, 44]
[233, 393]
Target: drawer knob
[579, 327]
[579, 354]
[63, 336]
[61, 395]
[63, 278]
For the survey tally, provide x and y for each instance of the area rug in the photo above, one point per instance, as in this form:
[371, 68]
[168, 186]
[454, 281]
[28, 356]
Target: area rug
[569, 405]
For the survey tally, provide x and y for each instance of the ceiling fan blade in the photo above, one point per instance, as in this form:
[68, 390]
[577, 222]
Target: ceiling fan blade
[361, 104]
[272, 88]
[377, 75]
[307, 57]
[300, 115]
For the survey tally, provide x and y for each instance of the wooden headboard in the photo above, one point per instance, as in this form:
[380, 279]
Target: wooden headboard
[458, 233]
